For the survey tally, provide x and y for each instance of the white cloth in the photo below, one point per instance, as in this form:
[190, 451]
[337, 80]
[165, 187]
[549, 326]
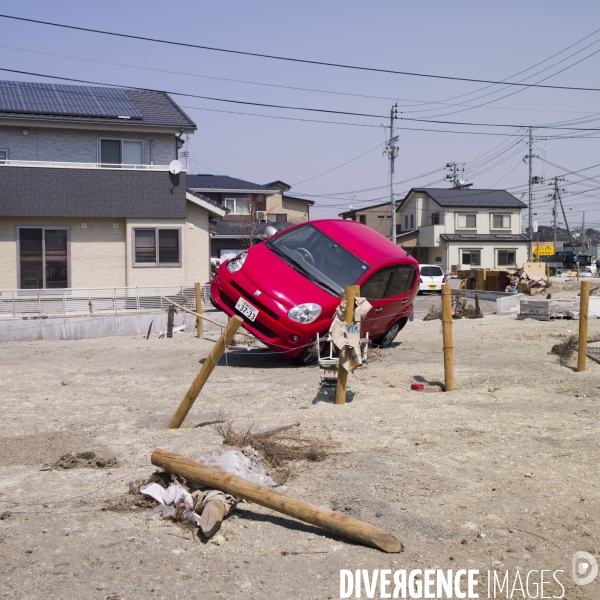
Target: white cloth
[173, 495]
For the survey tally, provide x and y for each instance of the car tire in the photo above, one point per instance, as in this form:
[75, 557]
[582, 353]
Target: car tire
[308, 356]
[390, 335]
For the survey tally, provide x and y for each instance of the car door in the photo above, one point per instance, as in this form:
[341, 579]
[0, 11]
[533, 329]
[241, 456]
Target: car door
[388, 291]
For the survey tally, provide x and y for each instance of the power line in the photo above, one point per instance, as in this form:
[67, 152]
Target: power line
[287, 58]
[285, 107]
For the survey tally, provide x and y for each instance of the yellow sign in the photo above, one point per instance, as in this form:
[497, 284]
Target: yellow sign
[543, 249]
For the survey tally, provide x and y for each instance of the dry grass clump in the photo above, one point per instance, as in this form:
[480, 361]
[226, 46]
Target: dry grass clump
[279, 446]
[565, 349]
[460, 310]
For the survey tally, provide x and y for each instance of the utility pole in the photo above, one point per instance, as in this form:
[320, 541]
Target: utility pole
[555, 195]
[530, 157]
[456, 175]
[392, 151]
[564, 215]
[583, 235]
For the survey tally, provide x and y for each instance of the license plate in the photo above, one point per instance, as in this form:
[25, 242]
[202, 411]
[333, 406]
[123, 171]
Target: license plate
[432, 287]
[246, 309]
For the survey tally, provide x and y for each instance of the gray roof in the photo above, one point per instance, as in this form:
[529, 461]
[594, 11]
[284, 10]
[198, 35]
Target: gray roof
[354, 211]
[296, 199]
[484, 237]
[157, 110]
[455, 197]
[222, 182]
[239, 228]
[203, 197]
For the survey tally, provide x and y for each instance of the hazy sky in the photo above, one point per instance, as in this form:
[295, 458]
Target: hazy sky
[472, 39]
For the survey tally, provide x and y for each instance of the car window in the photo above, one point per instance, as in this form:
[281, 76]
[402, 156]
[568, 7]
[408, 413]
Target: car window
[374, 288]
[402, 280]
[432, 271]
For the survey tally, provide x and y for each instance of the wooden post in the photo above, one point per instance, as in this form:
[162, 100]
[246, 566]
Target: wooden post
[447, 333]
[205, 371]
[578, 270]
[298, 509]
[352, 291]
[584, 303]
[170, 321]
[198, 290]
[191, 312]
[477, 313]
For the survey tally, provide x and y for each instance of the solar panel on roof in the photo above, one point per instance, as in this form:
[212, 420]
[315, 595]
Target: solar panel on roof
[72, 100]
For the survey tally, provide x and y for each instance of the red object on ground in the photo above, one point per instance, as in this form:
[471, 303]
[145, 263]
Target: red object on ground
[418, 387]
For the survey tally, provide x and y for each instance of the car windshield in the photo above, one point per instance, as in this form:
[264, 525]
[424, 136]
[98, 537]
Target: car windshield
[319, 258]
[431, 271]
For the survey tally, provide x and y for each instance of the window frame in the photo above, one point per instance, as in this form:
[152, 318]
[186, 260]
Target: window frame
[156, 264]
[362, 219]
[391, 269]
[4, 160]
[502, 216]
[436, 218]
[497, 253]
[122, 164]
[235, 212]
[66, 228]
[466, 215]
[470, 251]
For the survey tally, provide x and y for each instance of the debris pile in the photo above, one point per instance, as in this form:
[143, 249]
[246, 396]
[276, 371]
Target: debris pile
[81, 460]
[460, 309]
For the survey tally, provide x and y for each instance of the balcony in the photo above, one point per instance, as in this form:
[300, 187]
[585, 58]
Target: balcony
[62, 189]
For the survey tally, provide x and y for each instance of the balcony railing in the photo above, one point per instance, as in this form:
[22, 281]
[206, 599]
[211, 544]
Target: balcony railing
[80, 165]
[91, 301]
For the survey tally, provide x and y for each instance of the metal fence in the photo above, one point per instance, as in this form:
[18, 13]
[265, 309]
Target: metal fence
[85, 301]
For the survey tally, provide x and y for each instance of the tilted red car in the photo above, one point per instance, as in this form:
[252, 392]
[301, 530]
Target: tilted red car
[287, 288]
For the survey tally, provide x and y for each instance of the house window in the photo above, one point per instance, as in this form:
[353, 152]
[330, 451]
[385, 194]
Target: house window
[43, 257]
[435, 218]
[121, 152]
[501, 221]
[507, 258]
[155, 247]
[466, 221]
[470, 256]
[412, 221]
[280, 217]
[3, 156]
[237, 206]
[362, 219]
[405, 221]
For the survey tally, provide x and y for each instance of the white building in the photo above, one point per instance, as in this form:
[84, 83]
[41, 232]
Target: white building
[481, 228]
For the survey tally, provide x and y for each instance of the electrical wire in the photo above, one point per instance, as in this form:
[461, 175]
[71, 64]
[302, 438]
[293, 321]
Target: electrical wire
[284, 58]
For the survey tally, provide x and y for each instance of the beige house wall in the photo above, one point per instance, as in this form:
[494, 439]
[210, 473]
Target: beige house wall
[96, 252]
[297, 212]
[377, 218]
[101, 253]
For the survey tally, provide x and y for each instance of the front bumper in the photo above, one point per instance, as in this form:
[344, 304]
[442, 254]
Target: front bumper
[272, 326]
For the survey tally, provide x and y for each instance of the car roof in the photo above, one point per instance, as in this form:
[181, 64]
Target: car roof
[428, 265]
[364, 242]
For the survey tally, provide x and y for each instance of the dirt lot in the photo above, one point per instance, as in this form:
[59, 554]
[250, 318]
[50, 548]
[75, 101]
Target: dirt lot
[500, 474]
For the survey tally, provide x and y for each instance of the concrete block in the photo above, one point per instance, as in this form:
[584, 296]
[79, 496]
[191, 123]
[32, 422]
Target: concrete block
[506, 304]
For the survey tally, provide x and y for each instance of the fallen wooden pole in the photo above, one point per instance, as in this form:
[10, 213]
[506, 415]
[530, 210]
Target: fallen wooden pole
[309, 513]
[352, 291]
[447, 335]
[198, 292]
[207, 368]
[197, 315]
[584, 303]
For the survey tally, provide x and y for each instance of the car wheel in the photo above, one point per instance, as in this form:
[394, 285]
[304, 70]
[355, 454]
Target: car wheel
[308, 356]
[390, 335]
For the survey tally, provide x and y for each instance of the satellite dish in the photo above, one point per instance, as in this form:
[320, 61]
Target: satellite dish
[175, 167]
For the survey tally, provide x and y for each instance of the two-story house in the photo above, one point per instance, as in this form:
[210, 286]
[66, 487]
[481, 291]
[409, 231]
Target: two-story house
[88, 194]
[481, 228]
[251, 208]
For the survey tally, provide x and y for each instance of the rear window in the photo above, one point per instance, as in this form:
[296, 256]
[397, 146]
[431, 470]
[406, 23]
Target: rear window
[431, 271]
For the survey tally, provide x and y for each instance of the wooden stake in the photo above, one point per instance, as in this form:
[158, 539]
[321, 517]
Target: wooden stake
[298, 509]
[197, 315]
[578, 272]
[198, 290]
[352, 291]
[447, 333]
[170, 321]
[584, 303]
[205, 371]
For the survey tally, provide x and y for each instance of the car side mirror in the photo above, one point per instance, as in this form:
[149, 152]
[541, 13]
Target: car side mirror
[270, 231]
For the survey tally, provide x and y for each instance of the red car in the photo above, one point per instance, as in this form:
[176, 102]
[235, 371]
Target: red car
[287, 288]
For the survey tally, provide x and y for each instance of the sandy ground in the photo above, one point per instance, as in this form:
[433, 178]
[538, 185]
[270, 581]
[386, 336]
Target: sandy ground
[500, 474]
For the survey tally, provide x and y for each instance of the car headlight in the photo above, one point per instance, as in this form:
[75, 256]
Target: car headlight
[235, 264]
[305, 313]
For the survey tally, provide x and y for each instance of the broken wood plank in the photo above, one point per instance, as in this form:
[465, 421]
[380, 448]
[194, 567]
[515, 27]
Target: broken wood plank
[197, 315]
[237, 486]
